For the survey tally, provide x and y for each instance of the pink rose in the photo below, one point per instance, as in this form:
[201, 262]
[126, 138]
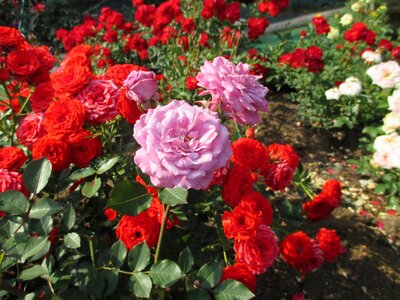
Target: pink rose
[234, 88]
[10, 180]
[181, 145]
[141, 87]
[259, 252]
[31, 129]
[100, 97]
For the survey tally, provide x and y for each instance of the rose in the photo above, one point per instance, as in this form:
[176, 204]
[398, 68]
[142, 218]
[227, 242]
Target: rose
[394, 101]
[181, 145]
[391, 122]
[12, 158]
[31, 129]
[386, 75]
[330, 243]
[128, 108]
[371, 57]
[248, 153]
[236, 185]
[10, 180]
[350, 87]
[321, 206]
[141, 86]
[42, 97]
[259, 252]
[22, 62]
[332, 94]
[257, 27]
[84, 148]
[100, 98]
[55, 149]
[386, 151]
[10, 37]
[234, 88]
[240, 272]
[346, 19]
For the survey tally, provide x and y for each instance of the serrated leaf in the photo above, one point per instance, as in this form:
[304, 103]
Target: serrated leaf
[82, 173]
[72, 240]
[13, 203]
[139, 257]
[118, 253]
[68, 218]
[140, 284]
[210, 274]
[232, 290]
[173, 196]
[32, 273]
[185, 260]
[90, 188]
[165, 273]
[107, 165]
[198, 294]
[44, 207]
[37, 174]
[129, 198]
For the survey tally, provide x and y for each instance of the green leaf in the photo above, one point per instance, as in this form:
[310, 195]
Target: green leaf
[107, 165]
[185, 260]
[210, 274]
[44, 207]
[232, 290]
[165, 273]
[118, 253]
[32, 273]
[82, 173]
[198, 294]
[141, 285]
[72, 240]
[129, 198]
[173, 196]
[13, 203]
[90, 188]
[139, 257]
[41, 226]
[68, 218]
[111, 279]
[36, 175]
[36, 246]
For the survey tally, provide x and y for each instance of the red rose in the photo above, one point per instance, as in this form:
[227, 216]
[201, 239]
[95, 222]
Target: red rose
[238, 183]
[144, 14]
[231, 12]
[4, 74]
[396, 53]
[259, 252]
[128, 108]
[70, 79]
[84, 148]
[10, 37]
[242, 273]
[55, 149]
[110, 214]
[330, 243]
[191, 83]
[42, 97]
[188, 25]
[133, 230]
[320, 207]
[248, 153]
[64, 115]
[204, 40]
[12, 158]
[257, 27]
[22, 62]
[321, 25]
[332, 188]
[383, 43]
[118, 73]
[259, 206]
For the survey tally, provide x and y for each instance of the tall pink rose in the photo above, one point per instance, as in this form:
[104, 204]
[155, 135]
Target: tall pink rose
[100, 97]
[234, 88]
[141, 86]
[259, 252]
[181, 145]
[31, 129]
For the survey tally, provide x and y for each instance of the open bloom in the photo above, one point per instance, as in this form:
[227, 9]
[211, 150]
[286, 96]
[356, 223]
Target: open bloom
[386, 151]
[141, 86]
[385, 75]
[394, 101]
[181, 145]
[350, 87]
[391, 122]
[233, 87]
[332, 94]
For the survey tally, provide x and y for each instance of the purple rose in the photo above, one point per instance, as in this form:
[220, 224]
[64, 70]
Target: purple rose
[141, 86]
[232, 86]
[181, 145]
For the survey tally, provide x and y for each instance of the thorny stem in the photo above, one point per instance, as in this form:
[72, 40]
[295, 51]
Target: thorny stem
[162, 230]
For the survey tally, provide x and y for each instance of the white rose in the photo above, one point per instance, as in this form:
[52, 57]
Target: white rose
[391, 122]
[333, 33]
[371, 57]
[394, 101]
[386, 75]
[332, 94]
[351, 87]
[387, 151]
[346, 19]
[356, 7]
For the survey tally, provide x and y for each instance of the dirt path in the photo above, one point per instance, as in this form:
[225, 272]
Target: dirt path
[371, 267]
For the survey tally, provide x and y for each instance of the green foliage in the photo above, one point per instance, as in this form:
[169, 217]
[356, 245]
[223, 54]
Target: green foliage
[37, 174]
[165, 273]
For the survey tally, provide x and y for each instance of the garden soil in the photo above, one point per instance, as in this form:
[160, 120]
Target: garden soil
[370, 268]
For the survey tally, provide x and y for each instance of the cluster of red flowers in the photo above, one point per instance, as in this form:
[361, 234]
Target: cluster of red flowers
[321, 25]
[322, 205]
[257, 27]
[360, 32]
[222, 10]
[273, 7]
[306, 254]
[310, 58]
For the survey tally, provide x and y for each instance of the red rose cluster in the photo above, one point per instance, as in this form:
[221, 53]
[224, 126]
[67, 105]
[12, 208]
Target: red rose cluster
[321, 25]
[360, 32]
[11, 160]
[273, 7]
[306, 254]
[257, 27]
[322, 205]
[222, 10]
[310, 58]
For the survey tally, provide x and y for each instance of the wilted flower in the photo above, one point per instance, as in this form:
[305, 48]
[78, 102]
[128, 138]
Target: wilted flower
[234, 88]
[181, 145]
